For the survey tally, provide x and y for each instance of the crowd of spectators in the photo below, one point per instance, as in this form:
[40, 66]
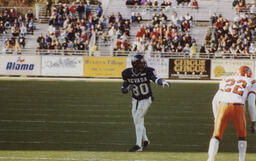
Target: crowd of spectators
[162, 3]
[15, 27]
[162, 36]
[227, 38]
[71, 27]
[242, 6]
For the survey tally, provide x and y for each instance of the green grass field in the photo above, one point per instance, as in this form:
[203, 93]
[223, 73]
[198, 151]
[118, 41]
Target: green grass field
[61, 120]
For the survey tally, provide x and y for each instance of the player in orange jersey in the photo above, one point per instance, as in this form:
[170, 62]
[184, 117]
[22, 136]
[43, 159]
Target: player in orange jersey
[228, 103]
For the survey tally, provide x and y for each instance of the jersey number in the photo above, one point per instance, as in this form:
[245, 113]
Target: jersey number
[141, 89]
[238, 88]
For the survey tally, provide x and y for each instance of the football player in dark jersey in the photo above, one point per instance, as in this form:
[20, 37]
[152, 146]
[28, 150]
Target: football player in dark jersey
[137, 80]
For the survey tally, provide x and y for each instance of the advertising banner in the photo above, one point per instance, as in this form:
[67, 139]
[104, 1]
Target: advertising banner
[20, 65]
[223, 68]
[161, 65]
[62, 66]
[104, 66]
[189, 69]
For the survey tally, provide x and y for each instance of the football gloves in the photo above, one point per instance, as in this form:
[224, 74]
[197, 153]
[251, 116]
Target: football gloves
[165, 84]
[253, 127]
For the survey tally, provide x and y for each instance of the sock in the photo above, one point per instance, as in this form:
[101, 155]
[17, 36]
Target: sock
[139, 132]
[213, 148]
[242, 145]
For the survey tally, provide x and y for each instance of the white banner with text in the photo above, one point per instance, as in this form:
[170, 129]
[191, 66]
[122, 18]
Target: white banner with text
[223, 68]
[20, 65]
[62, 66]
[161, 65]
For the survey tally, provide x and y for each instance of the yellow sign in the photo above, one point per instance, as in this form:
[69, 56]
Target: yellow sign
[104, 66]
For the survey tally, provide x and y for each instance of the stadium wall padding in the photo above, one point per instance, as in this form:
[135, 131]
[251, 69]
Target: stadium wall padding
[111, 67]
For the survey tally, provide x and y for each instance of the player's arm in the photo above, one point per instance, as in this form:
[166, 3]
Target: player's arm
[126, 85]
[158, 81]
[252, 111]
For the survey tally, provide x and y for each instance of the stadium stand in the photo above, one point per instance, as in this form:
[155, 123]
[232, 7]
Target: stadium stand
[14, 28]
[115, 26]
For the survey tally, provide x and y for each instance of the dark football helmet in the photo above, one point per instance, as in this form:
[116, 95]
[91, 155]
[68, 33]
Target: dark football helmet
[138, 63]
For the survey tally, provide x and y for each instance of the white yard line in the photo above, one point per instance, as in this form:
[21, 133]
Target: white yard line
[69, 159]
[98, 79]
[70, 142]
[89, 122]
[36, 158]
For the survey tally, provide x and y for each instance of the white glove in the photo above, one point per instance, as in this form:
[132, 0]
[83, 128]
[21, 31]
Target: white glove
[165, 84]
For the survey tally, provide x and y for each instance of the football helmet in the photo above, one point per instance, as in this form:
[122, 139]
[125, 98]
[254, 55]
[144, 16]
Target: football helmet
[138, 63]
[245, 71]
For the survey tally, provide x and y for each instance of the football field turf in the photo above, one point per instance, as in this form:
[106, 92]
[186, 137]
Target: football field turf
[74, 120]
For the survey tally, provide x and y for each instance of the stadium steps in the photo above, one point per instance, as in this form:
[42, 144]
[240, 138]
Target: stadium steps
[206, 9]
[43, 18]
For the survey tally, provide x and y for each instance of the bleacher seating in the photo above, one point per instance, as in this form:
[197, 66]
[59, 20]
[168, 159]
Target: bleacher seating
[112, 32]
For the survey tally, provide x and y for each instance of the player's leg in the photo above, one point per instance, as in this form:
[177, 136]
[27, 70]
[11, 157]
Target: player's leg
[148, 103]
[242, 146]
[221, 122]
[213, 148]
[144, 135]
[239, 121]
[145, 140]
[134, 111]
[141, 111]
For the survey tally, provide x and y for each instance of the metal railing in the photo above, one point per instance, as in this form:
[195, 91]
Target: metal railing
[174, 55]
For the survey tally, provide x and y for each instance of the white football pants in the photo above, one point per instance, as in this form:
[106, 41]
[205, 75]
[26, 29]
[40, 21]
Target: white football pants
[139, 110]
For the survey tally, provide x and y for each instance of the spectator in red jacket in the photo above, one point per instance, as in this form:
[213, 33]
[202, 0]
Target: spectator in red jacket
[194, 4]
[72, 10]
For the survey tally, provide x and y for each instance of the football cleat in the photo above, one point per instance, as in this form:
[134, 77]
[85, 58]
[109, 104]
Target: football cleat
[135, 148]
[145, 145]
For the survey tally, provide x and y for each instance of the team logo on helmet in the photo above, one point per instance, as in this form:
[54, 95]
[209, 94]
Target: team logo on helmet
[245, 71]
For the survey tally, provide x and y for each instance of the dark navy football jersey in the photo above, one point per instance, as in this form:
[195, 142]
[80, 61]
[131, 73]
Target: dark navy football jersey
[141, 81]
